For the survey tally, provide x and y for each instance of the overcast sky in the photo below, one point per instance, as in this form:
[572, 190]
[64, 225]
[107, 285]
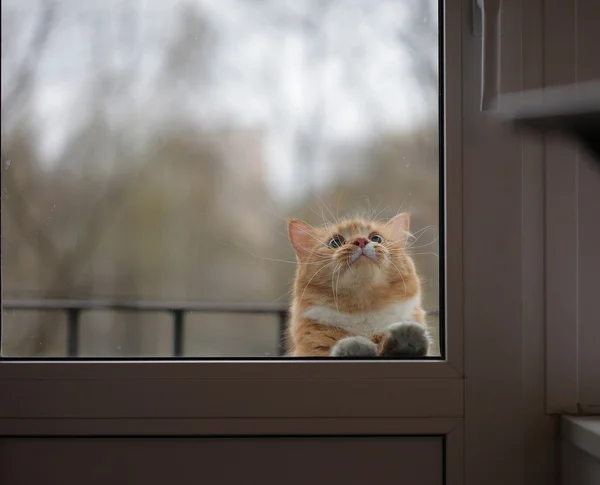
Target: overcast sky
[273, 64]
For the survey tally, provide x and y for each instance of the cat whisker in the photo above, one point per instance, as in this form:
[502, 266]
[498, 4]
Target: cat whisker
[338, 287]
[401, 275]
[349, 266]
[335, 286]
[337, 209]
[286, 220]
[401, 206]
[379, 213]
[426, 228]
[316, 238]
[391, 244]
[423, 245]
[287, 293]
[408, 249]
[415, 239]
[321, 215]
[329, 210]
[313, 277]
[427, 254]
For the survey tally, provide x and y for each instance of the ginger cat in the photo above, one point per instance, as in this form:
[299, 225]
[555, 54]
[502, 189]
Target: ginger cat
[357, 292]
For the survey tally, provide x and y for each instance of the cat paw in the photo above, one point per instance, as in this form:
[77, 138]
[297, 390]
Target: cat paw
[354, 347]
[407, 339]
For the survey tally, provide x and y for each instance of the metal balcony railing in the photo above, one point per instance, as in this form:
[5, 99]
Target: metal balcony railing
[74, 308]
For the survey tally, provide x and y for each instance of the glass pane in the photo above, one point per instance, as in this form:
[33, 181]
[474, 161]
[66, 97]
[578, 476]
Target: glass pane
[125, 334]
[152, 152]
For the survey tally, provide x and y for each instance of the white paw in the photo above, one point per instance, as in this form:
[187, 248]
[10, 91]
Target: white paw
[354, 347]
[410, 338]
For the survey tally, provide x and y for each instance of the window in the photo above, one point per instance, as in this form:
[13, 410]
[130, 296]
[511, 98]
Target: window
[492, 279]
[153, 150]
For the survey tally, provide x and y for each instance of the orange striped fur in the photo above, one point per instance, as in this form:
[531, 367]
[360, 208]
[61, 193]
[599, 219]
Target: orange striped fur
[349, 275]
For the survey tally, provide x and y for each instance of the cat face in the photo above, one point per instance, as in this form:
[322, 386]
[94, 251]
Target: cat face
[356, 263]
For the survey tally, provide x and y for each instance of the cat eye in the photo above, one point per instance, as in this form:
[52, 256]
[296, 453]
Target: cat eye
[376, 238]
[336, 242]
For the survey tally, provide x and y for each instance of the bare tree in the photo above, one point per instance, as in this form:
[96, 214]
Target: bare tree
[20, 81]
[62, 265]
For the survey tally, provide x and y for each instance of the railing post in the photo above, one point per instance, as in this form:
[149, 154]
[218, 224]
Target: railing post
[177, 333]
[73, 332]
[283, 316]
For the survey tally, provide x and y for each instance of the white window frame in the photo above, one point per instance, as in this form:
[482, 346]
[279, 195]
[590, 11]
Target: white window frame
[486, 398]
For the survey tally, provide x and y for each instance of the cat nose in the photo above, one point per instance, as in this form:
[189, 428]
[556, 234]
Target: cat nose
[361, 242]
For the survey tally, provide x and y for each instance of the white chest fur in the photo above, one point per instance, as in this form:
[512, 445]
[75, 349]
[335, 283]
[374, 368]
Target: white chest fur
[367, 323]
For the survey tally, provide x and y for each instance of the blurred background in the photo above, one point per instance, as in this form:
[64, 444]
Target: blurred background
[151, 151]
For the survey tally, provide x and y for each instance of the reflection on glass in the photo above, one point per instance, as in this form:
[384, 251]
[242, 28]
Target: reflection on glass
[152, 150]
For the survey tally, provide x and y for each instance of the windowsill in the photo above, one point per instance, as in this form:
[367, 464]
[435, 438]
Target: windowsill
[582, 432]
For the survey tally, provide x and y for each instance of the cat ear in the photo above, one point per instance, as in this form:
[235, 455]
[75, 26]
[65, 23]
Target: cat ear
[399, 226]
[301, 237]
